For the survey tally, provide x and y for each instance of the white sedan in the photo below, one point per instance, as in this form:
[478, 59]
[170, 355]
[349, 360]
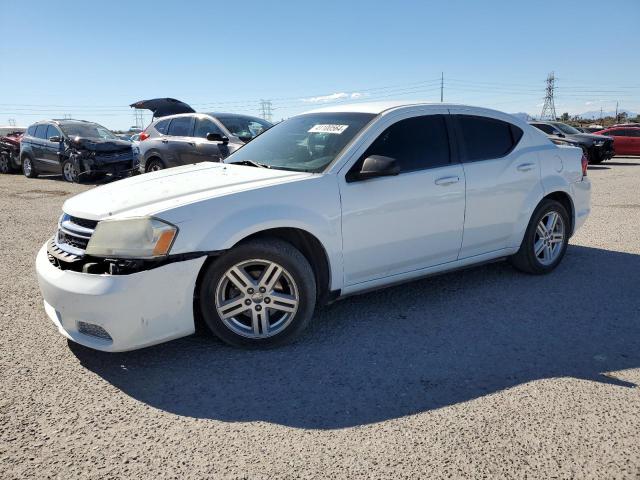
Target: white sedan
[326, 204]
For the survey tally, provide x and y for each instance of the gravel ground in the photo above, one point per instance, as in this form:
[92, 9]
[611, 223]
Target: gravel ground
[479, 373]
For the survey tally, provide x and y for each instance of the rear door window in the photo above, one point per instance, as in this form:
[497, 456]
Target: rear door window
[181, 127]
[484, 138]
[162, 126]
[544, 127]
[41, 131]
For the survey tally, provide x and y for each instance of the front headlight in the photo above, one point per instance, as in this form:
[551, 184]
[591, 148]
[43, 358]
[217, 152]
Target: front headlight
[142, 238]
[598, 143]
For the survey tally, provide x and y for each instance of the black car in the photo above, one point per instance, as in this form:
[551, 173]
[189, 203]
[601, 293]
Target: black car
[597, 147]
[77, 149]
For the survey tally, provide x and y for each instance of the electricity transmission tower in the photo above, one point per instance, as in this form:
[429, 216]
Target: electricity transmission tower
[138, 114]
[266, 110]
[12, 122]
[549, 108]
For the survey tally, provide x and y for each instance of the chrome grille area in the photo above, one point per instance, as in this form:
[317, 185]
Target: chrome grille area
[74, 234]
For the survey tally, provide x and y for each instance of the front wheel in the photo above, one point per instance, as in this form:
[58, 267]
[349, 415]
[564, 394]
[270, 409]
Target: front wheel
[28, 168]
[69, 171]
[259, 294]
[545, 241]
[155, 165]
[5, 163]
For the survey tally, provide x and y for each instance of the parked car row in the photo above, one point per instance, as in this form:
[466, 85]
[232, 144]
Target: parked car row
[178, 135]
[599, 145]
[80, 150]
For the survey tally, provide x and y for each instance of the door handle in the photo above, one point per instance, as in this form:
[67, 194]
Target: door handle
[444, 181]
[193, 144]
[525, 167]
[164, 140]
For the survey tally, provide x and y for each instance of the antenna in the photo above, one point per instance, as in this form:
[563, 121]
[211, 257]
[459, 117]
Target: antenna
[549, 108]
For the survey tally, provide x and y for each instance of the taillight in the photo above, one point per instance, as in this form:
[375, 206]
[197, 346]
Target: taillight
[585, 164]
[144, 136]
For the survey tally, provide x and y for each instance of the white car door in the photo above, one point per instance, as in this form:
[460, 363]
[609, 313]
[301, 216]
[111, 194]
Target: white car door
[502, 182]
[410, 221]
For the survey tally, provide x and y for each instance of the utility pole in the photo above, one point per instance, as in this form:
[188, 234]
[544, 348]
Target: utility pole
[266, 110]
[67, 116]
[442, 87]
[549, 107]
[600, 115]
[12, 122]
[617, 112]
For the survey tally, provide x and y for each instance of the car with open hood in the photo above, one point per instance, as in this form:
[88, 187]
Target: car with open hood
[324, 205]
[77, 149]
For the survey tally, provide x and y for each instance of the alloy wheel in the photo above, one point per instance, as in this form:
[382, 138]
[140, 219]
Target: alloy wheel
[69, 172]
[257, 298]
[549, 238]
[26, 166]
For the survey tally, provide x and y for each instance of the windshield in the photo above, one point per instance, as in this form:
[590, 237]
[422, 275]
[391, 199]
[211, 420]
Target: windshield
[87, 130]
[568, 129]
[306, 143]
[242, 127]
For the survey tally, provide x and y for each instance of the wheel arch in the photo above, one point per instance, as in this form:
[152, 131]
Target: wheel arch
[565, 200]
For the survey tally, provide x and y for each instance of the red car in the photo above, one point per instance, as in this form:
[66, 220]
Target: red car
[626, 140]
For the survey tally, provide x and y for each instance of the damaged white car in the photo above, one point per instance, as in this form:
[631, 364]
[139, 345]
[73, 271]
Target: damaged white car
[323, 205]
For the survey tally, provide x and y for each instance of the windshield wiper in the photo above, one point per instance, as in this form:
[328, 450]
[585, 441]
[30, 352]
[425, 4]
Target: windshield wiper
[250, 163]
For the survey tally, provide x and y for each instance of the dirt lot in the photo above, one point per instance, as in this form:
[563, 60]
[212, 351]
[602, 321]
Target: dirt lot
[480, 373]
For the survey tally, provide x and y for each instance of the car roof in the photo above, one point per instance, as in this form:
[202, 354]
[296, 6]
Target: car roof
[373, 107]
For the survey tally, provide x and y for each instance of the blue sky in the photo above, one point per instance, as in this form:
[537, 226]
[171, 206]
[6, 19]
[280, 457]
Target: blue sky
[92, 59]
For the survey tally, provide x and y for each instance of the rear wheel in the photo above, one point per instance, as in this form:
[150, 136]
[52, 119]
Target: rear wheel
[259, 294]
[545, 241]
[28, 168]
[155, 165]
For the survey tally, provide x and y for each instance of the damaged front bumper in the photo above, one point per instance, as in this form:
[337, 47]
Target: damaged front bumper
[116, 313]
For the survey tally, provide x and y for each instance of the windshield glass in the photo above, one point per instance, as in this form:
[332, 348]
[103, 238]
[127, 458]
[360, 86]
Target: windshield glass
[306, 143]
[568, 129]
[87, 130]
[243, 127]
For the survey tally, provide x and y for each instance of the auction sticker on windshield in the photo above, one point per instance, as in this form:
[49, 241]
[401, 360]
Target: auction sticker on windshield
[328, 128]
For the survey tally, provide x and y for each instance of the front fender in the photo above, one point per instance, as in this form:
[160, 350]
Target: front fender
[220, 223]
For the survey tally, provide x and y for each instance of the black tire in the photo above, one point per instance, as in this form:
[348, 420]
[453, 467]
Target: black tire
[271, 250]
[5, 163]
[28, 168]
[73, 176]
[155, 165]
[526, 259]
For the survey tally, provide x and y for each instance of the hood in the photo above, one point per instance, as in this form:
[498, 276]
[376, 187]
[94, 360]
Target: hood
[99, 145]
[161, 107]
[152, 193]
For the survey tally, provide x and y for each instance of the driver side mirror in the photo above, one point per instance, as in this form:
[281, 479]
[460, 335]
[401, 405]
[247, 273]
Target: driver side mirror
[55, 139]
[376, 166]
[558, 133]
[217, 137]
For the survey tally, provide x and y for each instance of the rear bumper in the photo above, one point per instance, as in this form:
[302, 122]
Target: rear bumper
[135, 310]
[581, 194]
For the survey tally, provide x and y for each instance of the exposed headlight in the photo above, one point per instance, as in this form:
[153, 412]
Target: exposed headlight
[598, 143]
[142, 238]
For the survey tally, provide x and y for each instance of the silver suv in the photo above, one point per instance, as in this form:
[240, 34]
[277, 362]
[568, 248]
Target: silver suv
[195, 137]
